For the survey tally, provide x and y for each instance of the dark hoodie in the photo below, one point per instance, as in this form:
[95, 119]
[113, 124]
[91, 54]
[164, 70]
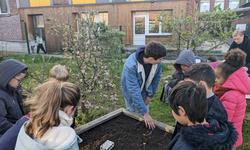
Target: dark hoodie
[212, 136]
[215, 111]
[10, 99]
[139, 58]
[245, 46]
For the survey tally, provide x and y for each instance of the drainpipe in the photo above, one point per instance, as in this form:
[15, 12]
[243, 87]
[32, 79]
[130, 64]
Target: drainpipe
[26, 36]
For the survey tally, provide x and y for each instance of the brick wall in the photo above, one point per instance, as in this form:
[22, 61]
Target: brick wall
[13, 7]
[120, 14]
[10, 28]
[164, 39]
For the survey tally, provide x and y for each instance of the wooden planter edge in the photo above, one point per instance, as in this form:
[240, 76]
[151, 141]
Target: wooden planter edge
[83, 128]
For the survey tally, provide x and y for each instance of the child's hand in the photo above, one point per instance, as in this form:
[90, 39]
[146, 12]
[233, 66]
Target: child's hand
[149, 122]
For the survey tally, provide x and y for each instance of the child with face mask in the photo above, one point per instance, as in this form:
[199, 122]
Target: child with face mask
[52, 108]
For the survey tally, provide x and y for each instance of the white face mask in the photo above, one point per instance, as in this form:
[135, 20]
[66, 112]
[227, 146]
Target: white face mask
[65, 119]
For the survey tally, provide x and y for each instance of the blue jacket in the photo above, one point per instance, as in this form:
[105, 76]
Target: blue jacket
[10, 99]
[212, 136]
[134, 86]
[8, 140]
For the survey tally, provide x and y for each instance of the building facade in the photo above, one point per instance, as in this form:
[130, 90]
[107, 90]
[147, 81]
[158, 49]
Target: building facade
[137, 18]
[10, 25]
[244, 11]
[208, 5]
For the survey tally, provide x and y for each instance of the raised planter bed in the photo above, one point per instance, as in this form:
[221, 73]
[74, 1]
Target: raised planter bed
[127, 130]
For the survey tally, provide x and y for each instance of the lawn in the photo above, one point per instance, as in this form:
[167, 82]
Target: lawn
[160, 111]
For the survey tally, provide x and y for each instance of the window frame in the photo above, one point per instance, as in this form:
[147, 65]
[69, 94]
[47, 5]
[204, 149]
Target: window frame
[147, 33]
[219, 1]
[230, 1]
[205, 2]
[8, 8]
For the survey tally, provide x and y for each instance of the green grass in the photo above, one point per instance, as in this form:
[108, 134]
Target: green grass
[246, 133]
[159, 111]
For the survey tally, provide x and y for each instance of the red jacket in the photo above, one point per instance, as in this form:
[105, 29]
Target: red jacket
[234, 99]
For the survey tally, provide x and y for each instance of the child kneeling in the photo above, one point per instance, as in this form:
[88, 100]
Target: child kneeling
[189, 108]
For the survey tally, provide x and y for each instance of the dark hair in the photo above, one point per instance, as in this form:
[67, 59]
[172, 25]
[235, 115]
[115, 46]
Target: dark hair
[155, 50]
[234, 59]
[212, 59]
[202, 72]
[192, 97]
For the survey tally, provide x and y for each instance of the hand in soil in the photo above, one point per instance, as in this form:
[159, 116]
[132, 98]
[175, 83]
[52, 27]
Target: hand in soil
[149, 122]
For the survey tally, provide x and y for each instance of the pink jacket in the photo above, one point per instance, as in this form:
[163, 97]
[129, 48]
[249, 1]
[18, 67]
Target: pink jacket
[214, 64]
[234, 100]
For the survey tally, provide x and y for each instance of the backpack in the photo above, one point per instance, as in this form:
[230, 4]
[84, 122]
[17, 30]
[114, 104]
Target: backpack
[165, 92]
[169, 84]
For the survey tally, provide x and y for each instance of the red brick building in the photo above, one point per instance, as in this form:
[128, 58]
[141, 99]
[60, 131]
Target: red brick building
[10, 25]
[137, 18]
[208, 5]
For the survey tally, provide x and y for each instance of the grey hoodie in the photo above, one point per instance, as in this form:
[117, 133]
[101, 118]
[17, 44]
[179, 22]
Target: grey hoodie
[186, 57]
[10, 99]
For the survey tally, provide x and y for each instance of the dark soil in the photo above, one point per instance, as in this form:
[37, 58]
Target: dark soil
[127, 134]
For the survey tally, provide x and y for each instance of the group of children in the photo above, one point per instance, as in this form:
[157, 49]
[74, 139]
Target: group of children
[208, 103]
[217, 124]
[44, 120]
[207, 98]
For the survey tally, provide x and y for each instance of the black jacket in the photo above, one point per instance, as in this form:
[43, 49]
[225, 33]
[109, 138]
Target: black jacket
[245, 46]
[10, 99]
[216, 111]
[212, 136]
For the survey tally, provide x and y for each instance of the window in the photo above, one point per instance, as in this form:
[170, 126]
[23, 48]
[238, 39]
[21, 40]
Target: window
[154, 22]
[157, 22]
[233, 4]
[140, 25]
[60, 2]
[102, 17]
[38, 26]
[219, 3]
[3, 7]
[38, 21]
[204, 5]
